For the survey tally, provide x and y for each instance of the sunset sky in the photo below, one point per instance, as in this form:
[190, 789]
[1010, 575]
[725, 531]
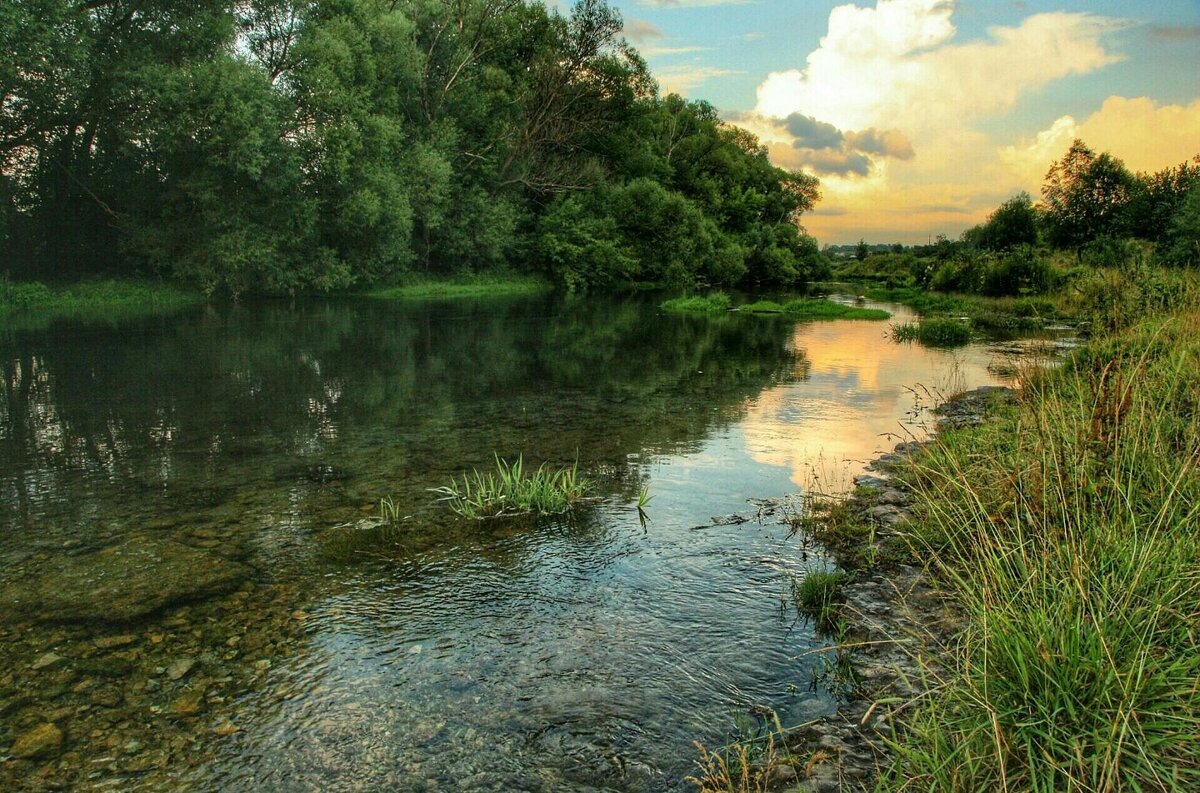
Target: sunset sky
[920, 116]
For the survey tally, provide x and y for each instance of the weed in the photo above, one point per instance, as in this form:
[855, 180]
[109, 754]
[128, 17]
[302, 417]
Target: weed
[933, 332]
[510, 490]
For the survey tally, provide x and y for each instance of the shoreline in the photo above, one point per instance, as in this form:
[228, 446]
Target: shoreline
[898, 625]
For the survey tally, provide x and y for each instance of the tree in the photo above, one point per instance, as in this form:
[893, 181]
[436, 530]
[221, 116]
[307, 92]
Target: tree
[1085, 196]
[861, 251]
[1014, 223]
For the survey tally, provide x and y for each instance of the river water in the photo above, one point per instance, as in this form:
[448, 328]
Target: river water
[268, 639]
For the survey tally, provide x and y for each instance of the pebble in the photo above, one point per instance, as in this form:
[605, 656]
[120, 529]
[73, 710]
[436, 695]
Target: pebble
[180, 667]
[44, 740]
[46, 661]
[111, 642]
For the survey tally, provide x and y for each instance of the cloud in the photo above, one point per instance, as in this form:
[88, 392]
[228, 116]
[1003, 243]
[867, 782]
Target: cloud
[1147, 135]
[641, 32]
[648, 37]
[909, 96]
[826, 162]
[812, 134]
[692, 3]
[682, 79]
[888, 143]
[754, 35]
[1175, 33]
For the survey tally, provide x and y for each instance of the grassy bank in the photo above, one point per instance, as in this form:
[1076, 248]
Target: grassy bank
[462, 286]
[802, 309]
[32, 303]
[1066, 529]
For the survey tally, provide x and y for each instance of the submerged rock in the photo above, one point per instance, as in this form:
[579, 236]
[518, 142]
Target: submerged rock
[120, 584]
[44, 740]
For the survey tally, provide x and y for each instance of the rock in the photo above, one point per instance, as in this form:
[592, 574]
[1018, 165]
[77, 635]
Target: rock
[108, 696]
[189, 703]
[180, 667]
[225, 729]
[46, 661]
[44, 740]
[887, 515]
[120, 584]
[781, 775]
[893, 497]
[112, 642]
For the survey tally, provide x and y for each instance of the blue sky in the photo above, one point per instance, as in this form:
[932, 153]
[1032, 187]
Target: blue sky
[932, 111]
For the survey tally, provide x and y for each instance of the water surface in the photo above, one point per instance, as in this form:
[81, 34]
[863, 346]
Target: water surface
[574, 655]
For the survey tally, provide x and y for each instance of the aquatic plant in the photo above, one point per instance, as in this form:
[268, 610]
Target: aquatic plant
[933, 332]
[713, 303]
[818, 595]
[389, 510]
[822, 308]
[510, 490]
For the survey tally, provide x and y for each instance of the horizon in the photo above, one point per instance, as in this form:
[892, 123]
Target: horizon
[921, 116]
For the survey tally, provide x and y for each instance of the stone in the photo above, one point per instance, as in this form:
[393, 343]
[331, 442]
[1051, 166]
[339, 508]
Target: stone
[120, 584]
[108, 696]
[781, 775]
[46, 661]
[180, 668]
[189, 703]
[44, 740]
[112, 642]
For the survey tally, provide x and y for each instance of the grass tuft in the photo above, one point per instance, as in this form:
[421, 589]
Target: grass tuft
[714, 303]
[1066, 528]
[933, 332]
[464, 286]
[511, 490]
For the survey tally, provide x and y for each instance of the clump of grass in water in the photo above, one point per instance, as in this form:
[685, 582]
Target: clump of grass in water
[821, 308]
[510, 490]
[933, 332]
[714, 303]
[818, 595]
[1066, 528]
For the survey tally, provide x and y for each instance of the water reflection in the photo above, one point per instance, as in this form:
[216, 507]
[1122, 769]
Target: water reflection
[564, 656]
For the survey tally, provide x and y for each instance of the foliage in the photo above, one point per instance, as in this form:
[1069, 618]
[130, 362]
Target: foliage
[510, 490]
[714, 303]
[463, 285]
[22, 302]
[285, 145]
[1181, 244]
[1085, 195]
[1012, 225]
[1066, 528]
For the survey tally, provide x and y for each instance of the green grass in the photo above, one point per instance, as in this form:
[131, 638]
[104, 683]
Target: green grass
[818, 595]
[1066, 529]
[821, 308]
[31, 303]
[464, 286]
[987, 313]
[933, 332]
[511, 490]
[714, 303]
[801, 309]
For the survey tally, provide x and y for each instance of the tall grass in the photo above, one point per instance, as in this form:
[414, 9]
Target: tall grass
[933, 332]
[1068, 530]
[511, 490]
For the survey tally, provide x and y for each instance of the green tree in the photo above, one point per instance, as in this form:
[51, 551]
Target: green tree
[1011, 225]
[1085, 195]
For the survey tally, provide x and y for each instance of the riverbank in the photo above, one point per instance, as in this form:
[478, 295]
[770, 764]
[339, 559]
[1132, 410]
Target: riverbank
[32, 303]
[1023, 605]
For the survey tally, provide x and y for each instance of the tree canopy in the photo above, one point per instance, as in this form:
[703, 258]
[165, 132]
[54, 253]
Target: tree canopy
[281, 145]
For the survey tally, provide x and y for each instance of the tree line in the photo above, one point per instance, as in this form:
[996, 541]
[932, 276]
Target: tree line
[283, 145]
[1091, 200]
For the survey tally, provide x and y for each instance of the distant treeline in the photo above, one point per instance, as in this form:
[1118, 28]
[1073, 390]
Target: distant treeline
[281, 145]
